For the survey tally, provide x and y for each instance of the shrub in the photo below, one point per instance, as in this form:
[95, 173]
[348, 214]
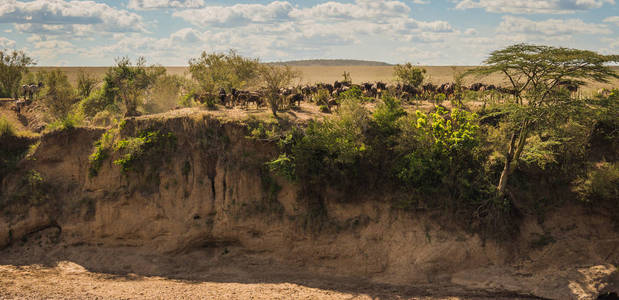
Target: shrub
[164, 94]
[600, 184]
[102, 149]
[70, 121]
[12, 67]
[103, 118]
[32, 189]
[86, 83]
[94, 103]
[324, 109]
[409, 74]
[126, 83]
[322, 97]
[147, 145]
[59, 95]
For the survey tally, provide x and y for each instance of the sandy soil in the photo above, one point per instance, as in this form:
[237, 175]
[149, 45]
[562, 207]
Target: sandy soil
[42, 267]
[70, 280]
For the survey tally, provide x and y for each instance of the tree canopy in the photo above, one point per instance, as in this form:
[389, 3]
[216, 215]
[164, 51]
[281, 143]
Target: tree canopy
[409, 74]
[535, 74]
[13, 64]
[223, 70]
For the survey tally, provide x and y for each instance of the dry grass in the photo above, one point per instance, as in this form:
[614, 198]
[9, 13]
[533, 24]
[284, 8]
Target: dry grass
[313, 74]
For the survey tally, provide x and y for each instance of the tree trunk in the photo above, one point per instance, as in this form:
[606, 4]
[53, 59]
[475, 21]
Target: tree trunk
[512, 156]
[508, 166]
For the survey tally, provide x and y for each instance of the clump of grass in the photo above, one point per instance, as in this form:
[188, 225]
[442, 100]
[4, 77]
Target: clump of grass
[6, 128]
[68, 122]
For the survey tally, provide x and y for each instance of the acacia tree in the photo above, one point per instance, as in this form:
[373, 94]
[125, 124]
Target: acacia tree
[535, 73]
[409, 74]
[13, 65]
[274, 79]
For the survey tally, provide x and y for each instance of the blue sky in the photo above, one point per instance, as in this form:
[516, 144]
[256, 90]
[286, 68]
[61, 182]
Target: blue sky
[428, 32]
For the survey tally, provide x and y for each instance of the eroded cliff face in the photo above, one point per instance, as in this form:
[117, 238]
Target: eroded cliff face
[212, 190]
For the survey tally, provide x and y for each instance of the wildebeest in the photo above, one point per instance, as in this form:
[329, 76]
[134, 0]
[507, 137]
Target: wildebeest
[570, 85]
[222, 96]
[429, 88]
[447, 89]
[296, 97]
[31, 90]
[477, 87]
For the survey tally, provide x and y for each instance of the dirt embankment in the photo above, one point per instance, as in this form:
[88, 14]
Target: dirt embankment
[208, 211]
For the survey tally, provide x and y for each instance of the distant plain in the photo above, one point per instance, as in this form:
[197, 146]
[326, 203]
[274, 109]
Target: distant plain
[359, 74]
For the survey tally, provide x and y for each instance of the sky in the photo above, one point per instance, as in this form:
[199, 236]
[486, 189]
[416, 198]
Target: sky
[426, 32]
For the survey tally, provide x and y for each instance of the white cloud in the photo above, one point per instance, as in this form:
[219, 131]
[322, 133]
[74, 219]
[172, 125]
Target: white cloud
[186, 35]
[237, 15]
[550, 27]
[613, 20]
[160, 4]
[6, 43]
[61, 12]
[421, 2]
[533, 6]
[360, 9]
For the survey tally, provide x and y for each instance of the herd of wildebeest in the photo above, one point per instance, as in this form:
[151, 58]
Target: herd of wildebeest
[325, 93]
[294, 95]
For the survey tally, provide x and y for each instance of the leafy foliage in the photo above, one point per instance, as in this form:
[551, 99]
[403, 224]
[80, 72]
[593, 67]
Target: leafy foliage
[146, 145]
[127, 84]
[102, 151]
[86, 83]
[59, 95]
[274, 78]
[223, 70]
[535, 73]
[13, 65]
[409, 74]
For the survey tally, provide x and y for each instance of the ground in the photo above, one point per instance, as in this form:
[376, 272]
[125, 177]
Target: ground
[38, 269]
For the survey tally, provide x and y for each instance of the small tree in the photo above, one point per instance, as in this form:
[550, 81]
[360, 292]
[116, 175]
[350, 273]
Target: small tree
[59, 95]
[534, 73]
[86, 83]
[127, 83]
[223, 70]
[275, 78]
[13, 65]
[409, 74]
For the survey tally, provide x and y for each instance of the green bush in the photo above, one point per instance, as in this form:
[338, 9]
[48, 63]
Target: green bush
[86, 83]
[69, 121]
[58, 94]
[102, 150]
[32, 189]
[600, 184]
[322, 97]
[148, 145]
[434, 154]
